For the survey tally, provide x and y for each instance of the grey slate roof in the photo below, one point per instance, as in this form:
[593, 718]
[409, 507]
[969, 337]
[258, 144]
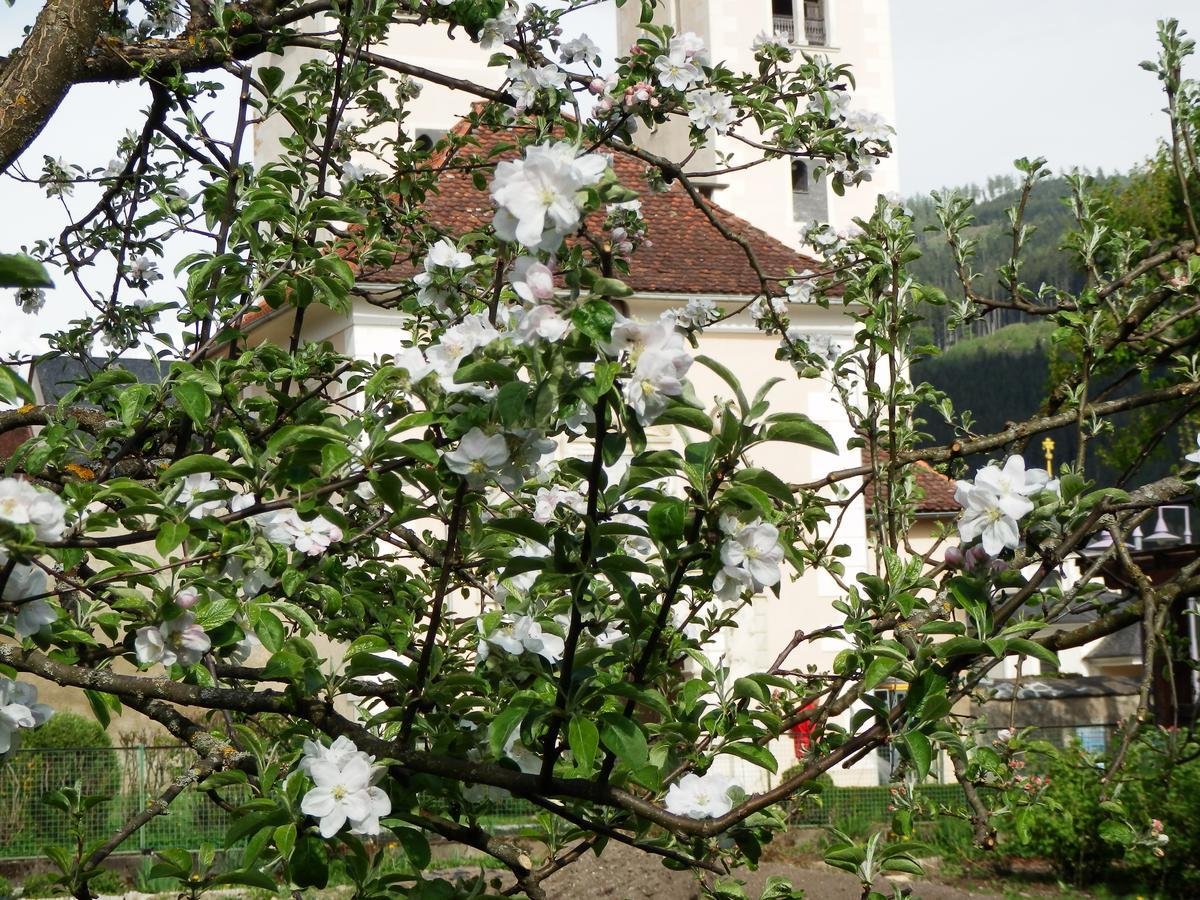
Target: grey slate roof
[58, 375]
[1043, 687]
[1124, 643]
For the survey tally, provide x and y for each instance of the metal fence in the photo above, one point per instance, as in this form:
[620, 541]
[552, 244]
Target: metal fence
[131, 776]
[134, 776]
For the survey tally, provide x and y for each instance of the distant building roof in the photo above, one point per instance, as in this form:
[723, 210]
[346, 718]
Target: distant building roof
[688, 253]
[1044, 687]
[937, 490]
[55, 377]
[1121, 644]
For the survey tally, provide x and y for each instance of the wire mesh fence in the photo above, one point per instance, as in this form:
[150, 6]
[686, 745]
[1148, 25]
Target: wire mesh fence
[132, 777]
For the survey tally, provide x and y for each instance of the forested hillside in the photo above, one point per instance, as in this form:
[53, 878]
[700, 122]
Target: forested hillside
[1048, 219]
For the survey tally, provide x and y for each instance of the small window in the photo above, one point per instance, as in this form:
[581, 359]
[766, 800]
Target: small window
[799, 177]
[427, 137]
[783, 20]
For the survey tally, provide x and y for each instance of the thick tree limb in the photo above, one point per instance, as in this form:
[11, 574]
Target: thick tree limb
[35, 79]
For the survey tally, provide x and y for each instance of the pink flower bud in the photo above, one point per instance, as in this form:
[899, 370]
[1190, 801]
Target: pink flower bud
[596, 86]
[976, 556]
[186, 598]
[953, 557]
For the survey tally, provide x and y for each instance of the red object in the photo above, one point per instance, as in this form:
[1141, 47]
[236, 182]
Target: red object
[802, 736]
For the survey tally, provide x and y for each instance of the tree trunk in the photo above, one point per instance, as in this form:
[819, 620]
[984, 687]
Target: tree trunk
[34, 80]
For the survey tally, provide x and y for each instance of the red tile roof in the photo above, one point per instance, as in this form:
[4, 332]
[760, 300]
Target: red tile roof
[688, 254]
[936, 489]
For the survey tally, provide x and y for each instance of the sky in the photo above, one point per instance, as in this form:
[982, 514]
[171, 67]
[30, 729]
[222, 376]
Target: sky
[978, 84]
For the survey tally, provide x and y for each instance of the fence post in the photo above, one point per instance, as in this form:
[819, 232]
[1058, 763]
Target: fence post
[141, 792]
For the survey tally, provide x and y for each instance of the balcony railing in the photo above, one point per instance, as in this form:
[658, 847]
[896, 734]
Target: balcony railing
[814, 30]
[785, 26]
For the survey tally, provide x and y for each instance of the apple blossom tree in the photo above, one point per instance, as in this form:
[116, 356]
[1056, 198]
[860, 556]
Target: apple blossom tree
[521, 592]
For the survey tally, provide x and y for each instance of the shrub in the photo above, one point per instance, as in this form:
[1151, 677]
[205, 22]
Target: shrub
[1157, 781]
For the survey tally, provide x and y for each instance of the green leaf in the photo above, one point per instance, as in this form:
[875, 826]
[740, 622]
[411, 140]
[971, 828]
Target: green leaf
[797, 428]
[310, 863]
[217, 613]
[749, 689]
[595, 319]
[728, 377]
[526, 528]
[285, 839]
[767, 482]
[584, 740]
[1116, 832]
[170, 535]
[1034, 649]
[624, 738]
[13, 386]
[416, 847]
[192, 465]
[760, 756]
[666, 520]
[920, 751]
[269, 630]
[878, 669]
[679, 414]
[248, 877]
[20, 271]
[192, 397]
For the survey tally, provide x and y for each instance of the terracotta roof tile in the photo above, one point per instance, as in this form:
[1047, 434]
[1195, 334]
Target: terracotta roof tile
[937, 490]
[688, 253]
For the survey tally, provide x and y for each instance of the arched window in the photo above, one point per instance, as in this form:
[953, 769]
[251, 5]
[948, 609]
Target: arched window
[799, 177]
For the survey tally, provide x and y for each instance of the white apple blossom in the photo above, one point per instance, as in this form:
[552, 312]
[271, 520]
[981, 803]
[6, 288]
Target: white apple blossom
[19, 709]
[542, 322]
[412, 361]
[698, 313]
[343, 794]
[23, 504]
[537, 196]
[176, 640]
[30, 300]
[193, 487]
[456, 343]
[478, 456]
[525, 634]
[1194, 457]
[989, 516]
[496, 32]
[610, 636]
[580, 49]
[711, 109]
[532, 280]
[700, 796]
[547, 501]
[144, 270]
[27, 581]
[527, 761]
[755, 549]
[311, 537]
[867, 126]
[654, 381]
[353, 173]
[1014, 480]
[677, 71]
[689, 45]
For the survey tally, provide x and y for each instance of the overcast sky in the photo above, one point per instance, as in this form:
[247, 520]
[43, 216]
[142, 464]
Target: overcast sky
[978, 83]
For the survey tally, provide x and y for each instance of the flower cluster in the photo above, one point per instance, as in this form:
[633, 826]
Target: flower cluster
[18, 709]
[997, 500]
[700, 796]
[443, 259]
[521, 634]
[750, 558]
[311, 537]
[537, 196]
[26, 581]
[344, 788]
[23, 504]
[179, 640]
[660, 360]
[525, 81]
[547, 501]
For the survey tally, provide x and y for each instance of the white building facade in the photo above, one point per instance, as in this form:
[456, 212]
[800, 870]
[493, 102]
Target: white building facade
[774, 197]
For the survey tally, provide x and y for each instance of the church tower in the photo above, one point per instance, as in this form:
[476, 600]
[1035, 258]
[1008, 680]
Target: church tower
[777, 196]
[780, 195]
